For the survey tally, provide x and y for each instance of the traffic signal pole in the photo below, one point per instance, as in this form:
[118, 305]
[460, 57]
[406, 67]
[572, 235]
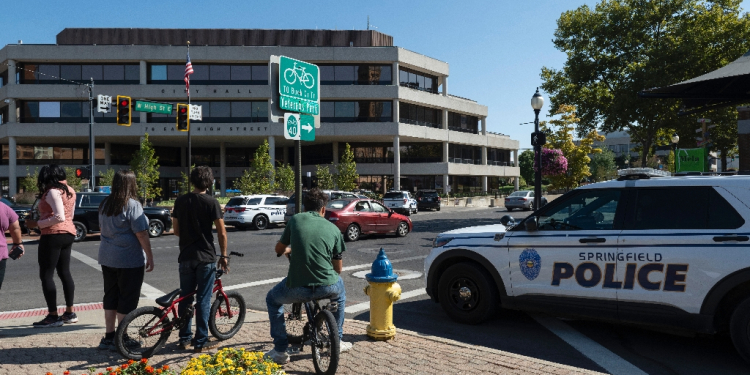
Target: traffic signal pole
[92, 151]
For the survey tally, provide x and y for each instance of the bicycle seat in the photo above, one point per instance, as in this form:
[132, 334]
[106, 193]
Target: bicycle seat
[167, 299]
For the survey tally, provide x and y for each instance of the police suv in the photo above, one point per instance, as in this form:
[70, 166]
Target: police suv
[659, 251]
[255, 211]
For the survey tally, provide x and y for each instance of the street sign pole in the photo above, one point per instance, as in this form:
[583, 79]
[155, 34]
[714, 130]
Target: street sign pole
[92, 151]
[298, 177]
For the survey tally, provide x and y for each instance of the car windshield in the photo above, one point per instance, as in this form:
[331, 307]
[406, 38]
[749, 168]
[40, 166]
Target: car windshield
[9, 203]
[429, 193]
[397, 195]
[236, 201]
[519, 194]
[337, 204]
[253, 201]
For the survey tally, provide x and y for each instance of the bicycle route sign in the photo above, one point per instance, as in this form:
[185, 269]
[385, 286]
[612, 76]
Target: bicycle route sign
[299, 86]
[299, 127]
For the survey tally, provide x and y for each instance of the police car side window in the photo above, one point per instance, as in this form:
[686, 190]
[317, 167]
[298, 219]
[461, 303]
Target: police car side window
[588, 210]
[672, 208]
[721, 214]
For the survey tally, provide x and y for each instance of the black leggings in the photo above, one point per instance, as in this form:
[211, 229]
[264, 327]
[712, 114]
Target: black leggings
[54, 253]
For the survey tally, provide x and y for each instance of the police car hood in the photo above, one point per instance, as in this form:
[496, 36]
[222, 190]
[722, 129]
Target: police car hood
[495, 228]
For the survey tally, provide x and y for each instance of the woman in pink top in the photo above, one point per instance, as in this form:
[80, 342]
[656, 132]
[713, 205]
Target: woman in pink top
[56, 206]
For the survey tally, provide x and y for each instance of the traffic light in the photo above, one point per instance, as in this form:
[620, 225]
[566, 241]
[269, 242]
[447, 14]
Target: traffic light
[123, 110]
[83, 173]
[183, 117]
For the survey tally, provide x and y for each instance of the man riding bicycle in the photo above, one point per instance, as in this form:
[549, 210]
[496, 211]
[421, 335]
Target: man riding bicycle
[313, 270]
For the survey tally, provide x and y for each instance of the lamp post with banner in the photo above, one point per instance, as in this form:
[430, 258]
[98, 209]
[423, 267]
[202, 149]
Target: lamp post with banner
[538, 139]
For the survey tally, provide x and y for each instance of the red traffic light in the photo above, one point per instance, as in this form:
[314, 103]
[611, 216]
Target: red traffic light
[183, 109]
[124, 103]
[79, 172]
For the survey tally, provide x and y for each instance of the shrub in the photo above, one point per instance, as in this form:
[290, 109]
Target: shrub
[232, 361]
[25, 198]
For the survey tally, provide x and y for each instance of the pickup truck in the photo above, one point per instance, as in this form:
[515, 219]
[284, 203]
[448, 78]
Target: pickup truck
[86, 216]
[401, 202]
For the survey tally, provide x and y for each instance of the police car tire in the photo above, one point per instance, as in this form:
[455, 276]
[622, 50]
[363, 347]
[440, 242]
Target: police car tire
[260, 222]
[481, 284]
[739, 329]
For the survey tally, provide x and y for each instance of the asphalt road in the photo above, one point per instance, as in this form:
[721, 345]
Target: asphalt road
[650, 351]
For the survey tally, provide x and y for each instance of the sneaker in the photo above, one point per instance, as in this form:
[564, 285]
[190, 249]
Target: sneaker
[130, 343]
[344, 346]
[208, 345]
[49, 321]
[185, 345]
[280, 358]
[68, 318]
[107, 344]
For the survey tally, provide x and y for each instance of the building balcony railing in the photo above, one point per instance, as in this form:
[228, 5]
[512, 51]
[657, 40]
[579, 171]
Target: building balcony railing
[415, 86]
[463, 130]
[420, 123]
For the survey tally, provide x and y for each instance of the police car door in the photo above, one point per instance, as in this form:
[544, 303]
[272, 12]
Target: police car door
[569, 262]
[677, 243]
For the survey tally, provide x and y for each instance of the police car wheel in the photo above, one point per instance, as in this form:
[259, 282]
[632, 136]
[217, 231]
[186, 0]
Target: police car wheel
[260, 222]
[467, 293]
[739, 329]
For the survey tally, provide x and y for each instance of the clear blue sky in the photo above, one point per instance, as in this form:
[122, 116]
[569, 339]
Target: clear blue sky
[495, 49]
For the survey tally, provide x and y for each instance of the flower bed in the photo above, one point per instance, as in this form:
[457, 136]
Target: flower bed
[130, 368]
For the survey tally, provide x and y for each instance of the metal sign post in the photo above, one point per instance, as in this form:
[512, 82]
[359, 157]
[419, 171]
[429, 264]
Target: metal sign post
[92, 151]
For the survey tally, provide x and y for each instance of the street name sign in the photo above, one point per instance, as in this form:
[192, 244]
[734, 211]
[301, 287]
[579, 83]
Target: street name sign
[299, 86]
[292, 126]
[307, 128]
[105, 103]
[153, 107]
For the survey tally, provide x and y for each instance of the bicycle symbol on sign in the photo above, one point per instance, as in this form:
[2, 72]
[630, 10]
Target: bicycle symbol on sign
[291, 75]
[292, 127]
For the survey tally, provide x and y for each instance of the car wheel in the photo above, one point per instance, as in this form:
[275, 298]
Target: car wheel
[438, 208]
[352, 232]
[402, 230]
[81, 231]
[155, 228]
[509, 209]
[407, 212]
[260, 222]
[739, 329]
[467, 293]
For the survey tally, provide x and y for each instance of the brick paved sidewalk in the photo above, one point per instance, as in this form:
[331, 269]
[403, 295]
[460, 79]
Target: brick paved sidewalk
[74, 348]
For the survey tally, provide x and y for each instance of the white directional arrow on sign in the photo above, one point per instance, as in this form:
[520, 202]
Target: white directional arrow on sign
[307, 127]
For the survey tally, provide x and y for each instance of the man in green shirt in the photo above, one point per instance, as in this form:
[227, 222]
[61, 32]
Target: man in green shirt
[313, 270]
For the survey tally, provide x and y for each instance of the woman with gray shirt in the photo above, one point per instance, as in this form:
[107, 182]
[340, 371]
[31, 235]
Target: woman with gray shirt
[124, 250]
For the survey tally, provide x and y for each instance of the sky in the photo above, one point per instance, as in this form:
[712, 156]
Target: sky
[495, 48]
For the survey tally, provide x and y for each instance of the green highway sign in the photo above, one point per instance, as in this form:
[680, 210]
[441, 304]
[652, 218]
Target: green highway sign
[299, 86]
[307, 128]
[153, 107]
[292, 126]
[691, 160]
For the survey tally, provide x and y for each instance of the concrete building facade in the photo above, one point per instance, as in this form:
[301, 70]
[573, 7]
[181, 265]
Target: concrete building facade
[391, 105]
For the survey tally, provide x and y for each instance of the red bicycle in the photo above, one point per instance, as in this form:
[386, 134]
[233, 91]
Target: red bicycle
[145, 330]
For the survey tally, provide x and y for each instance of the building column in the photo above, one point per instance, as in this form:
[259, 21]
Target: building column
[445, 183]
[484, 184]
[396, 111]
[107, 153]
[446, 158]
[335, 153]
[484, 155]
[223, 168]
[12, 111]
[484, 125]
[183, 157]
[516, 183]
[395, 74]
[286, 154]
[396, 163]
[445, 119]
[445, 86]
[12, 178]
[11, 72]
[144, 72]
[515, 158]
[272, 153]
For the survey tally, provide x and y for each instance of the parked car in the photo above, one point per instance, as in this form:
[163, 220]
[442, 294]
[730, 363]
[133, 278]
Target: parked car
[22, 211]
[401, 202]
[86, 216]
[256, 211]
[332, 195]
[523, 199]
[428, 199]
[357, 217]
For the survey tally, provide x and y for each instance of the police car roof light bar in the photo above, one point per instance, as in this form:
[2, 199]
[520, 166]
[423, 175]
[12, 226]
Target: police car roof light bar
[640, 173]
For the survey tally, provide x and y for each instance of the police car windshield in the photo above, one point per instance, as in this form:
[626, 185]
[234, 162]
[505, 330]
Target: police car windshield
[253, 201]
[589, 210]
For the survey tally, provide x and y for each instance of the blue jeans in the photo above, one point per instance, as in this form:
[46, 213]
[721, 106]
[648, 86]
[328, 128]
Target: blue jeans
[280, 295]
[198, 277]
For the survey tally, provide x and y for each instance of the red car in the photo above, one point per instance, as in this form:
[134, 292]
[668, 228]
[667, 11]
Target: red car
[357, 217]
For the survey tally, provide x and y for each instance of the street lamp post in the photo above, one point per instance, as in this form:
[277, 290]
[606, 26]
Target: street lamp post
[537, 101]
[675, 140]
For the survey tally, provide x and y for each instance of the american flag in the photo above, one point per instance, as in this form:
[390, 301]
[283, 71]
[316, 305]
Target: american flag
[188, 72]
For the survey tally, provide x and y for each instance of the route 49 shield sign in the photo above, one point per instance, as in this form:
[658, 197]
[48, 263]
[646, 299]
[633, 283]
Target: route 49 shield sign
[292, 126]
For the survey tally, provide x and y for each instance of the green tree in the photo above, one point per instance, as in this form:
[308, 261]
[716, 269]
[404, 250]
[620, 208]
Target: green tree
[622, 47]
[145, 165]
[28, 183]
[73, 181]
[257, 179]
[325, 178]
[284, 179]
[105, 179]
[603, 166]
[346, 178]
[183, 185]
[526, 165]
[560, 136]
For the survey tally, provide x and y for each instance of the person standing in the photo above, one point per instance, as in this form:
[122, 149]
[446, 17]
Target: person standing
[56, 205]
[124, 253]
[194, 214]
[8, 221]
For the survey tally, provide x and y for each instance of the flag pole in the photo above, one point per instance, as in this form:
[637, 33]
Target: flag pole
[190, 150]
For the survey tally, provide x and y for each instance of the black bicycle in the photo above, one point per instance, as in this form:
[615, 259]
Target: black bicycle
[314, 325]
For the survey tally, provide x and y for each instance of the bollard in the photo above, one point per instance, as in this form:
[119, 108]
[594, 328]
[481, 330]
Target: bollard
[383, 291]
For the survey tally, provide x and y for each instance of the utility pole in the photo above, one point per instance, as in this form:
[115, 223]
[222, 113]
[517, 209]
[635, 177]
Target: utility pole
[92, 151]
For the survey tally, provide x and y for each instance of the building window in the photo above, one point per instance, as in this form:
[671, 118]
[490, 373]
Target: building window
[383, 152]
[417, 80]
[465, 184]
[63, 112]
[210, 74]
[463, 154]
[498, 157]
[222, 112]
[317, 154]
[463, 123]
[359, 111]
[362, 74]
[419, 115]
[45, 154]
[103, 74]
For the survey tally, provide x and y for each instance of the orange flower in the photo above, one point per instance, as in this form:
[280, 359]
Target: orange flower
[144, 360]
[49, 373]
[149, 369]
[165, 367]
[66, 372]
[130, 362]
[124, 366]
[158, 371]
[109, 369]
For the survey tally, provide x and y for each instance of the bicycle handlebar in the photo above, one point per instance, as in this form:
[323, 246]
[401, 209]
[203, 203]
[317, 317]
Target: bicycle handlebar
[237, 254]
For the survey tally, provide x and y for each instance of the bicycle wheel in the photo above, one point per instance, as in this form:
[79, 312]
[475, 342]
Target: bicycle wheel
[142, 333]
[221, 325]
[325, 346]
[290, 76]
[295, 316]
[308, 78]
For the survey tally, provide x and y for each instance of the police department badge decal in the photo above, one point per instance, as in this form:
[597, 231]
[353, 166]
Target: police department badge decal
[530, 263]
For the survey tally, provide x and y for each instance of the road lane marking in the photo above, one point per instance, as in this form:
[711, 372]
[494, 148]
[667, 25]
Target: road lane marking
[602, 356]
[147, 290]
[364, 306]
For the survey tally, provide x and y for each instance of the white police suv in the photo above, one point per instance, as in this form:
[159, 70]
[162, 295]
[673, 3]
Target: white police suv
[256, 211]
[659, 251]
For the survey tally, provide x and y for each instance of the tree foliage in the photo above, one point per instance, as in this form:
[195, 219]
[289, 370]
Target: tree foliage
[183, 185]
[325, 178]
[560, 136]
[526, 165]
[145, 165]
[603, 166]
[105, 179]
[622, 47]
[284, 181]
[346, 178]
[28, 183]
[257, 179]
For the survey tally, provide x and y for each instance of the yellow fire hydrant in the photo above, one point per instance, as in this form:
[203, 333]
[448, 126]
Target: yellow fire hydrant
[383, 292]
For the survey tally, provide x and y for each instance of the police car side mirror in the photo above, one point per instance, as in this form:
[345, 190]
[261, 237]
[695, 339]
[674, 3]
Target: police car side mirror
[531, 224]
[507, 219]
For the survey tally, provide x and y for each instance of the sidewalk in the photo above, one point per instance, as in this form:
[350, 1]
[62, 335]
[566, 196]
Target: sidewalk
[26, 350]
